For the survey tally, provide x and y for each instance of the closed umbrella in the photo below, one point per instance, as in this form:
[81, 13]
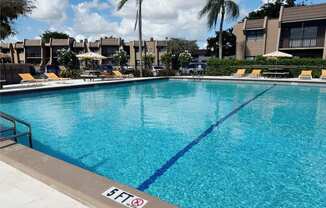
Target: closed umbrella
[278, 54]
[91, 56]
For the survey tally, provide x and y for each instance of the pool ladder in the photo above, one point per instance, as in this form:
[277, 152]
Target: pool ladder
[15, 134]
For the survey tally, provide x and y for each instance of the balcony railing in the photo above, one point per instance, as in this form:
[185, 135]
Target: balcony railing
[303, 43]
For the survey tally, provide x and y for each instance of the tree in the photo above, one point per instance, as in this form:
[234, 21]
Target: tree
[148, 60]
[68, 59]
[167, 60]
[228, 43]
[120, 58]
[177, 46]
[184, 58]
[213, 9]
[9, 11]
[49, 34]
[139, 23]
[271, 9]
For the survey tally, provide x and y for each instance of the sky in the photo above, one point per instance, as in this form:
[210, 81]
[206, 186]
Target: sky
[93, 19]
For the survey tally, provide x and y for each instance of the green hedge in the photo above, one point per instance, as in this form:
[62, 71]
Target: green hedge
[226, 67]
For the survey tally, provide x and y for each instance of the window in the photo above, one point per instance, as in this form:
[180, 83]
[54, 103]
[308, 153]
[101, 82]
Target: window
[303, 37]
[254, 34]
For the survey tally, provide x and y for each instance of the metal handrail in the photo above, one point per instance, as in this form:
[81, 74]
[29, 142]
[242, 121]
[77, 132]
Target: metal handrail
[14, 121]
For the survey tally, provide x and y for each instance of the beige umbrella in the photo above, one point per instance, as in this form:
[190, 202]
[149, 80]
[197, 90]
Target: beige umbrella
[278, 54]
[91, 56]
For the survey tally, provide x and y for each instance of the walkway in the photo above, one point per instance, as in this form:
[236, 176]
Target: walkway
[20, 190]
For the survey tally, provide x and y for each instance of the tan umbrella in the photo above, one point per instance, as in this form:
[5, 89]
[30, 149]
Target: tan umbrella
[91, 56]
[278, 54]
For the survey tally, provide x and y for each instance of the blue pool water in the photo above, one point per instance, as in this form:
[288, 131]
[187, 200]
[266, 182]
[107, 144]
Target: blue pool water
[193, 144]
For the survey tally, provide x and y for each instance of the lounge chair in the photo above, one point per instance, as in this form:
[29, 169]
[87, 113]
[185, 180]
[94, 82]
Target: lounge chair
[106, 75]
[255, 73]
[305, 74]
[323, 74]
[27, 77]
[118, 74]
[239, 73]
[54, 77]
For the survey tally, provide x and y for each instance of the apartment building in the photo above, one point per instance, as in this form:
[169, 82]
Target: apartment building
[40, 54]
[157, 48]
[299, 31]
[7, 49]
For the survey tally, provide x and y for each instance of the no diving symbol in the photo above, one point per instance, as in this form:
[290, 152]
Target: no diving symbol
[137, 202]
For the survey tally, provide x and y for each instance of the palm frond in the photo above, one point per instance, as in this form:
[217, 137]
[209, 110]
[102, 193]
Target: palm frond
[121, 3]
[232, 9]
[136, 21]
[212, 9]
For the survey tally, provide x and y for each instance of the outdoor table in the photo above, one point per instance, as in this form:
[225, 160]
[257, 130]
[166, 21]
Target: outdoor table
[277, 72]
[88, 76]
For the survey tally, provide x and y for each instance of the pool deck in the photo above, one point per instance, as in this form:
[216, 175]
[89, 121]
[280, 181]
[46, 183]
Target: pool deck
[25, 173]
[287, 81]
[21, 190]
[64, 84]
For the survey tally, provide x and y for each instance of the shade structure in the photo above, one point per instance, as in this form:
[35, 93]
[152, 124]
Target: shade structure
[278, 54]
[91, 56]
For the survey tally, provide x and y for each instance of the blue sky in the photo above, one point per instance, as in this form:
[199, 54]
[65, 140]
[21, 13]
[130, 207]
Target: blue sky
[96, 18]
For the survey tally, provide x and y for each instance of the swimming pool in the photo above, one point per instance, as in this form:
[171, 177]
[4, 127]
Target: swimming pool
[193, 144]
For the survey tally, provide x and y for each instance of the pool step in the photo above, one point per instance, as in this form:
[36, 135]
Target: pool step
[14, 121]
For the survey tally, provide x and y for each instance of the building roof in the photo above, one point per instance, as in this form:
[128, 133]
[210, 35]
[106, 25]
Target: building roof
[79, 44]
[95, 44]
[110, 41]
[32, 42]
[19, 45]
[254, 24]
[5, 45]
[304, 13]
[60, 42]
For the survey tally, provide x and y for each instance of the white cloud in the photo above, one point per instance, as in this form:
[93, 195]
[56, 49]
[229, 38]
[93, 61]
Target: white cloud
[161, 19]
[50, 10]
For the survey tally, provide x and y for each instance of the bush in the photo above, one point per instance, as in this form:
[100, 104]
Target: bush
[70, 73]
[226, 67]
[166, 72]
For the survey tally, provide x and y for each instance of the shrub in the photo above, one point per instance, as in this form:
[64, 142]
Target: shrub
[226, 67]
[166, 72]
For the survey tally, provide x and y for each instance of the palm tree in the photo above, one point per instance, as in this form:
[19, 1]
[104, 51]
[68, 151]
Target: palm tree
[213, 9]
[139, 21]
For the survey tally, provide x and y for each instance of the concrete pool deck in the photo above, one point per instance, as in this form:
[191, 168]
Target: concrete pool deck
[59, 180]
[21, 190]
[287, 81]
[73, 83]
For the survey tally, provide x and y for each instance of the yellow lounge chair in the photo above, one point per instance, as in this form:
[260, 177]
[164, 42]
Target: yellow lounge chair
[306, 74]
[256, 73]
[118, 74]
[323, 74]
[53, 76]
[239, 73]
[27, 77]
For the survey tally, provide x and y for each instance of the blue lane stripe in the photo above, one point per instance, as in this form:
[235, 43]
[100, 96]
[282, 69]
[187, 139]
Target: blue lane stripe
[146, 184]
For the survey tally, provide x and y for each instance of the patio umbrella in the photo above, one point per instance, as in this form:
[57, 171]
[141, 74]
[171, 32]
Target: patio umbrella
[91, 56]
[278, 54]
